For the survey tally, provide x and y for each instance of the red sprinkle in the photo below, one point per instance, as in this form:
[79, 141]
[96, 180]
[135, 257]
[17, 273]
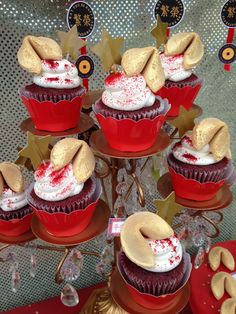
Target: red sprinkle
[113, 78]
[58, 176]
[190, 157]
[52, 79]
[187, 140]
[68, 81]
[40, 172]
[52, 64]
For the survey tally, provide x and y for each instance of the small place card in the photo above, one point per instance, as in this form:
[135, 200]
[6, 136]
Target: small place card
[114, 226]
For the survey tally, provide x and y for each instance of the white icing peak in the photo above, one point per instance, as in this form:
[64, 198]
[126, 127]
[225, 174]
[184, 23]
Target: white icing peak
[127, 93]
[57, 74]
[10, 200]
[173, 68]
[185, 152]
[54, 185]
[167, 253]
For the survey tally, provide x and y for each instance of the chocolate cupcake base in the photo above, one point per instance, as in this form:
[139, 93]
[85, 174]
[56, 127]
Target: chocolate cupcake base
[191, 81]
[209, 173]
[15, 214]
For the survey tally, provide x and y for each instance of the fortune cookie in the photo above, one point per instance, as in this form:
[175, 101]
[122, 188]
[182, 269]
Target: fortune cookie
[11, 174]
[35, 49]
[219, 254]
[223, 282]
[145, 61]
[228, 306]
[214, 132]
[188, 44]
[76, 151]
[133, 233]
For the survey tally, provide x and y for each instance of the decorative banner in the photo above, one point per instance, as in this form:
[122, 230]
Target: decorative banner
[85, 66]
[228, 17]
[227, 53]
[170, 11]
[81, 15]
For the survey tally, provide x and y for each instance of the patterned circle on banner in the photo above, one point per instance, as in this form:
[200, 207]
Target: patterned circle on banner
[228, 13]
[85, 66]
[81, 14]
[170, 11]
[227, 53]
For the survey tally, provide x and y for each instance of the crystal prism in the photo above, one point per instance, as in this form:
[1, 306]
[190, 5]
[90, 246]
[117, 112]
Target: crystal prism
[15, 281]
[69, 296]
[199, 257]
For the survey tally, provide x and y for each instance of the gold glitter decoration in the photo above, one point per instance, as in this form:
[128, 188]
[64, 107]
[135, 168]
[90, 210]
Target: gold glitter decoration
[108, 50]
[167, 208]
[132, 235]
[159, 32]
[220, 255]
[76, 151]
[12, 175]
[71, 43]
[185, 121]
[222, 282]
[36, 150]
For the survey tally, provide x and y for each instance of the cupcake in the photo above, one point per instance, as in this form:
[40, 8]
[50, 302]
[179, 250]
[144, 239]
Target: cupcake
[199, 162]
[128, 108]
[183, 52]
[15, 213]
[54, 100]
[152, 260]
[65, 192]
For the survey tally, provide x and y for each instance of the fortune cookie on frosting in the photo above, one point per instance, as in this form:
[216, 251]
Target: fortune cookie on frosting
[222, 282]
[76, 151]
[11, 174]
[228, 306]
[133, 233]
[219, 254]
[214, 132]
[189, 44]
[35, 49]
[145, 61]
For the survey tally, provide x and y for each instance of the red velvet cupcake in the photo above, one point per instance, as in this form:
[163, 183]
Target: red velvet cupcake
[15, 213]
[65, 193]
[182, 53]
[54, 101]
[201, 160]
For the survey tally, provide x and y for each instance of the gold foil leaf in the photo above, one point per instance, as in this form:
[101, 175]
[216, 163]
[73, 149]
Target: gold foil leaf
[108, 50]
[167, 208]
[214, 132]
[71, 43]
[222, 282]
[185, 121]
[219, 254]
[76, 151]
[145, 61]
[159, 32]
[12, 176]
[187, 43]
[228, 306]
[133, 233]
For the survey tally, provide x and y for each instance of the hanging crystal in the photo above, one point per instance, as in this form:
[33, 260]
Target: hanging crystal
[207, 244]
[33, 265]
[199, 257]
[72, 266]
[15, 280]
[69, 296]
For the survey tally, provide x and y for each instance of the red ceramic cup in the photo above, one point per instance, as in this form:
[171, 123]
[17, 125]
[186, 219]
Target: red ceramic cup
[67, 225]
[179, 96]
[15, 227]
[193, 189]
[54, 117]
[150, 301]
[132, 136]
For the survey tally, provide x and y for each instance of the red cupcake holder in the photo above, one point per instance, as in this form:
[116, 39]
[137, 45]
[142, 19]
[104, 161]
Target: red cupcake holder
[192, 189]
[66, 225]
[54, 117]
[128, 135]
[179, 96]
[161, 302]
[15, 227]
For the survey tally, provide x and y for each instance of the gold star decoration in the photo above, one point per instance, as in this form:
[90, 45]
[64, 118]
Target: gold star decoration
[108, 50]
[159, 32]
[167, 208]
[70, 42]
[36, 150]
[185, 121]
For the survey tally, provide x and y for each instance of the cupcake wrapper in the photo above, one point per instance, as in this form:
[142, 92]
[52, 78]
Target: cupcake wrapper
[198, 174]
[15, 214]
[73, 203]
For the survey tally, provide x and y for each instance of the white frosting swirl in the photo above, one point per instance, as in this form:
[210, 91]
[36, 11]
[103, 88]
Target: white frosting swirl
[167, 253]
[53, 185]
[57, 74]
[127, 93]
[185, 152]
[10, 200]
[173, 68]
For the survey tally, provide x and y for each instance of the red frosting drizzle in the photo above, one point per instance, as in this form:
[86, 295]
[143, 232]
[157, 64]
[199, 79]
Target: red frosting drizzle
[68, 81]
[40, 172]
[113, 78]
[52, 64]
[187, 140]
[190, 157]
[52, 79]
